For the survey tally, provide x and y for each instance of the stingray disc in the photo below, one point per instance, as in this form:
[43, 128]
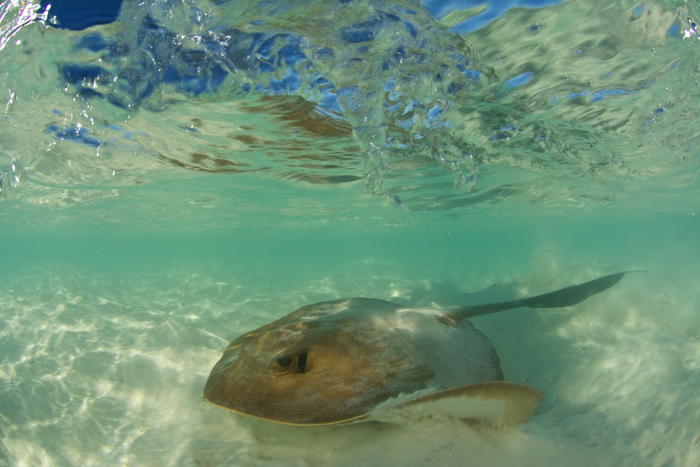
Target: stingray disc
[361, 359]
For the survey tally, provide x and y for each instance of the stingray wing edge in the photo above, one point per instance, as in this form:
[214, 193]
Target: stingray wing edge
[493, 403]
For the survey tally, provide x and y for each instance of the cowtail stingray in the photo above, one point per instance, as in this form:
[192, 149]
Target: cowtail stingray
[362, 359]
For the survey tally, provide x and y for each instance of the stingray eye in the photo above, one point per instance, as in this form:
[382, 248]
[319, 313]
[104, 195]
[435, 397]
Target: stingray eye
[284, 362]
[301, 362]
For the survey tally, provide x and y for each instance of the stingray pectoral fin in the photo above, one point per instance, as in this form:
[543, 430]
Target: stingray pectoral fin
[493, 403]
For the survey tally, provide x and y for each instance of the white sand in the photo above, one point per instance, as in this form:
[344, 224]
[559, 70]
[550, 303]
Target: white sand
[98, 370]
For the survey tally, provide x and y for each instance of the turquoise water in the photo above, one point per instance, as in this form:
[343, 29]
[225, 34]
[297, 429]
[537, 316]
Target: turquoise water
[198, 169]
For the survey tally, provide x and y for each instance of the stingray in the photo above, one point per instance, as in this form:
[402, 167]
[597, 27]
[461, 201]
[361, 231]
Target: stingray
[363, 359]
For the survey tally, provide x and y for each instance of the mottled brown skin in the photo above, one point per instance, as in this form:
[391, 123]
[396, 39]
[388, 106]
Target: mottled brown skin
[344, 376]
[335, 362]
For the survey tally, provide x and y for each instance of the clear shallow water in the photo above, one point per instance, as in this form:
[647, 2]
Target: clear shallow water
[157, 206]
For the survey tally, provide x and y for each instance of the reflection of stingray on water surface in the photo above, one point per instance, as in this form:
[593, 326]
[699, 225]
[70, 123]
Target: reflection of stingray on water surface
[361, 359]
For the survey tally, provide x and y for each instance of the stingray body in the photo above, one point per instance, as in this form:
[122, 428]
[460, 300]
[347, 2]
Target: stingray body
[361, 359]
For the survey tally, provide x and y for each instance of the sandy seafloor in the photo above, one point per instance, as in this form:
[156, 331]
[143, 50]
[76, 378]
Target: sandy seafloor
[106, 343]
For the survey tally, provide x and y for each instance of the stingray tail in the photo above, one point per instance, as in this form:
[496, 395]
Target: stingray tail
[567, 296]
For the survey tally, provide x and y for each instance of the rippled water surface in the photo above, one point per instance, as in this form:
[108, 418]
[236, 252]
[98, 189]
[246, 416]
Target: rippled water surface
[197, 169]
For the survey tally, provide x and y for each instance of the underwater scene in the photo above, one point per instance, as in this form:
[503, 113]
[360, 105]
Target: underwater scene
[177, 173]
